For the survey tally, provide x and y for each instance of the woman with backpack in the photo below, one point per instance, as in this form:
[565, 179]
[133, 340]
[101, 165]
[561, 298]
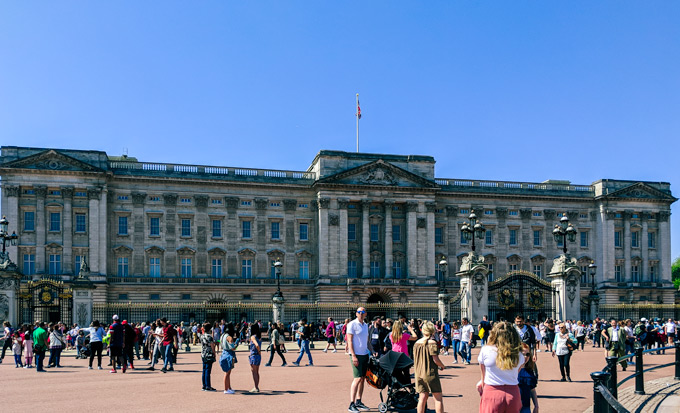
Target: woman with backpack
[207, 356]
[563, 345]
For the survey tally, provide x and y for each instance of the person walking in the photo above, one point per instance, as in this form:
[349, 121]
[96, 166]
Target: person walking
[116, 343]
[130, 336]
[616, 341]
[207, 356]
[399, 339]
[427, 365]
[669, 328]
[527, 382]
[255, 357]
[330, 335]
[57, 344]
[466, 332]
[170, 343]
[305, 334]
[580, 335]
[28, 348]
[563, 345]
[228, 342]
[9, 332]
[39, 345]
[358, 346]
[455, 340]
[499, 362]
[276, 342]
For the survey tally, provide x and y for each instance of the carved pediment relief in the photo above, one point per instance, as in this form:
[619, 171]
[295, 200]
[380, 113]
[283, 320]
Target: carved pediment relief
[53, 161]
[378, 173]
[641, 191]
[122, 250]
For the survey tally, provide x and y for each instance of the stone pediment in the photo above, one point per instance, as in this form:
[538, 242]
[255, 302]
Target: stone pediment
[378, 173]
[641, 191]
[51, 160]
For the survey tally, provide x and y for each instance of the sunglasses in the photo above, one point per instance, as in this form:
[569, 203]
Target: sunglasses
[361, 312]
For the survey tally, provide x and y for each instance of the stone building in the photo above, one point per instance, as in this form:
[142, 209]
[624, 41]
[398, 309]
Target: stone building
[352, 227]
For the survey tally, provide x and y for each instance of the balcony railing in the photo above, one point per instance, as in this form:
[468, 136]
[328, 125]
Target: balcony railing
[214, 171]
[206, 280]
[530, 186]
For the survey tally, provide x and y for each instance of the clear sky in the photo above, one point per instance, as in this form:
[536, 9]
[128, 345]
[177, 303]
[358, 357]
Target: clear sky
[520, 90]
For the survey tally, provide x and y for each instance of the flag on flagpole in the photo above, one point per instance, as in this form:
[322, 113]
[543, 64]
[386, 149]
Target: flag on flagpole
[358, 108]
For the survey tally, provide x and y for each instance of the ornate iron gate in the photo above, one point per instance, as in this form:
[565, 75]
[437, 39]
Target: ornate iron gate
[46, 300]
[521, 293]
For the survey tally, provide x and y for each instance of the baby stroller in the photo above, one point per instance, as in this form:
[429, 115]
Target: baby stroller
[84, 350]
[392, 371]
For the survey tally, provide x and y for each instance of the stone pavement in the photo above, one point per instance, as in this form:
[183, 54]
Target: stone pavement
[662, 395]
[321, 388]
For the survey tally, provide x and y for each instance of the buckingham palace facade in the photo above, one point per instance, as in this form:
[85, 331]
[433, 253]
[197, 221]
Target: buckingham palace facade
[352, 227]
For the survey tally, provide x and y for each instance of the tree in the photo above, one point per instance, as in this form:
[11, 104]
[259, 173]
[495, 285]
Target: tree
[676, 273]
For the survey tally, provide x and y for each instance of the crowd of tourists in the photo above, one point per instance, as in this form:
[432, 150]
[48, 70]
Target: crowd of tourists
[507, 358]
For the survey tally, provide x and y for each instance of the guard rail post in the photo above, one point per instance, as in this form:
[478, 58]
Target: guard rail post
[613, 378]
[639, 375]
[677, 360]
[600, 378]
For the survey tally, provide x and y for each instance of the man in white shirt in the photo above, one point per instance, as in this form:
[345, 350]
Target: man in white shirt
[466, 332]
[359, 348]
[669, 328]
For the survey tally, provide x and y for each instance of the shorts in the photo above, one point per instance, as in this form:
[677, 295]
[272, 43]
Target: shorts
[671, 335]
[360, 370]
[429, 385]
[255, 360]
[116, 351]
[331, 340]
[446, 342]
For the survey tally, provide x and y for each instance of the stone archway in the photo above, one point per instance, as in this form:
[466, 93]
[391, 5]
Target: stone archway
[375, 304]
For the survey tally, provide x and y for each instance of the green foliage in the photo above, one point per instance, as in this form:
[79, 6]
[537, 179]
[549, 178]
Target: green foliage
[676, 273]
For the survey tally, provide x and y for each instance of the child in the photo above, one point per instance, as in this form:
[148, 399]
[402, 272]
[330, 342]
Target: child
[16, 349]
[28, 350]
[80, 343]
[527, 380]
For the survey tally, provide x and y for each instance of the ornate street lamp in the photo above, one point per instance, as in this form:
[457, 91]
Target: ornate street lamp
[442, 268]
[7, 239]
[564, 231]
[277, 268]
[473, 229]
[592, 268]
[593, 296]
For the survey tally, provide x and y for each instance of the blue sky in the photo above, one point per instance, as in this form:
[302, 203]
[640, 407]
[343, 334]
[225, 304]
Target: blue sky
[521, 90]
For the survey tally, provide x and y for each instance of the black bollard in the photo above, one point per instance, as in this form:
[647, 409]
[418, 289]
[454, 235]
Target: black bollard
[639, 375]
[677, 360]
[613, 378]
[600, 378]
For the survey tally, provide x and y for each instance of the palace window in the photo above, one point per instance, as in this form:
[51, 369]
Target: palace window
[122, 296]
[185, 200]
[513, 237]
[29, 221]
[618, 236]
[78, 261]
[245, 229]
[651, 240]
[351, 232]
[635, 239]
[303, 205]
[185, 269]
[537, 238]
[488, 238]
[81, 223]
[538, 271]
[154, 296]
[375, 269]
[438, 235]
[274, 204]
[396, 269]
[304, 231]
[618, 274]
[512, 267]
[216, 201]
[652, 272]
[396, 233]
[513, 213]
[55, 221]
[247, 268]
[584, 239]
[154, 227]
[122, 225]
[55, 264]
[216, 268]
[217, 228]
[186, 227]
[186, 296]
[488, 212]
[352, 269]
[489, 276]
[635, 272]
[246, 203]
[304, 270]
[276, 235]
[154, 267]
[123, 197]
[123, 268]
[463, 240]
[375, 233]
[536, 214]
[29, 264]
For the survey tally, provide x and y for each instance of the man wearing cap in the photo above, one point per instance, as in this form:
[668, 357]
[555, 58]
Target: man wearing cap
[116, 344]
[359, 347]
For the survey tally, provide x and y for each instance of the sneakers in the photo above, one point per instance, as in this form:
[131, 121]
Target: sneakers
[229, 391]
[335, 351]
[267, 364]
[296, 364]
[113, 371]
[352, 408]
[89, 368]
[164, 370]
[325, 350]
[99, 367]
[360, 406]
[151, 368]
[446, 353]
[467, 363]
[284, 364]
[310, 365]
[254, 390]
[455, 362]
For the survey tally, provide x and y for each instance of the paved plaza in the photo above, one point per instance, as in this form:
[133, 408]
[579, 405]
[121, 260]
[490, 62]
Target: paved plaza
[321, 388]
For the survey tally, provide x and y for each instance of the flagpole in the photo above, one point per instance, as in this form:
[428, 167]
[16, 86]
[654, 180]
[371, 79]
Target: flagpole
[357, 115]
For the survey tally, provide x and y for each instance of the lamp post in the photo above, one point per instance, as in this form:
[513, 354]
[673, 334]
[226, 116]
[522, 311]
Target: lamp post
[277, 268]
[593, 296]
[564, 231]
[473, 229]
[7, 239]
[442, 268]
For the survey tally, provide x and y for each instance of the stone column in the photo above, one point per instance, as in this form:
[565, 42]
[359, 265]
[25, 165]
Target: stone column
[412, 239]
[343, 247]
[67, 232]
[203, 227]
[473, 276]
[12, 213]
[333, 240]
[278, 310]
[663, 239]
[388, 238]
[324, 204]
[525, 241]
[430, 251]
[565, 278]
[366, 238]
[626, 246]
[170, 256]
[452, 233]
[232, 236]
[605, 237]
[644, 248]
[289, 206]
[96, 226]
[9, 294]
[262, 260]
[138, 234]
[41, 230]
[83, 290]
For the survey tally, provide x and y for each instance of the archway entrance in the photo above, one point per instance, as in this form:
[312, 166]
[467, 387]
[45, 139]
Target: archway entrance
[375, 306]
